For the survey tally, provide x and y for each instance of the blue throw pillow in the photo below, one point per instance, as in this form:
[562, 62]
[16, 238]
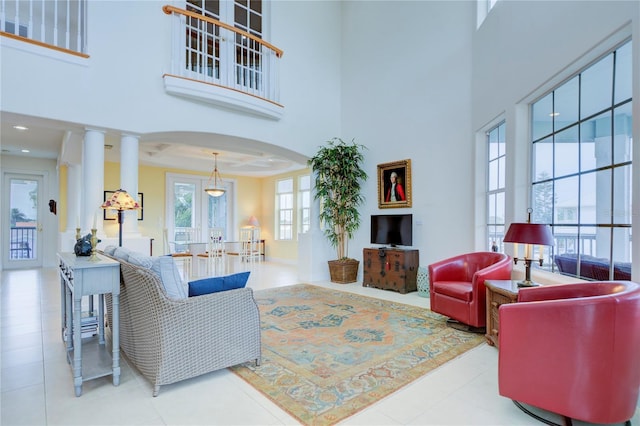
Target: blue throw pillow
[215, 284]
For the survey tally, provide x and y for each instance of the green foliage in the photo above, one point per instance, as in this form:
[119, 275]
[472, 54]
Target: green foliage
[543, 199]
[183, 212]
[338, 184]
[18, 216]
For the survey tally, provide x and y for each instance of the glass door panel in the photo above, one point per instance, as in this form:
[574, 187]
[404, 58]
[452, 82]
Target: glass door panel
[23, 248]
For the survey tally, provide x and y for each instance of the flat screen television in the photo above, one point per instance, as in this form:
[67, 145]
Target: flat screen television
[392, 229]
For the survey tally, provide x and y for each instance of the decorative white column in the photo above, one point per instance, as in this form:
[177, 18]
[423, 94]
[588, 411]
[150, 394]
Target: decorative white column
[92, 180]
[68, 236]
[129, 180]
[74, 176]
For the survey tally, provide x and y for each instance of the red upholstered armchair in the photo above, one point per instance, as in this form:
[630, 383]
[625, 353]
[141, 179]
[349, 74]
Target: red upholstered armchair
[573, 350]
[456, 285]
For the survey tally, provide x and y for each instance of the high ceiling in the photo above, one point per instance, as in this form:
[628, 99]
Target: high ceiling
[180, 150]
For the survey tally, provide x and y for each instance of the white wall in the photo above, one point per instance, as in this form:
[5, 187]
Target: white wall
[120, 86]
[406, 95]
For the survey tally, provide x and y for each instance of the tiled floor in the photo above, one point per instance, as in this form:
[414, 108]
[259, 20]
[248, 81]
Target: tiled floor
[37, 386]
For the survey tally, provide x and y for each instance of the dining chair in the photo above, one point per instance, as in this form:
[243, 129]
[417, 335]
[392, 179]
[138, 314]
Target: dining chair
[180, 254]
[215, 256]
[250, 244]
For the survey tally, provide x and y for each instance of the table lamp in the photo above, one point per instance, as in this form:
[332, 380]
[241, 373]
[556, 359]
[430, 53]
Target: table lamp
[528, 233]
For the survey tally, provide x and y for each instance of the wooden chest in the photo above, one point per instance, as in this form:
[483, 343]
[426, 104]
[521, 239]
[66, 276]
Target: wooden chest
[390, 269]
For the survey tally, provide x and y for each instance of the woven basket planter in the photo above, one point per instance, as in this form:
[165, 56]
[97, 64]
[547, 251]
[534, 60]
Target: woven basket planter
[344, 271]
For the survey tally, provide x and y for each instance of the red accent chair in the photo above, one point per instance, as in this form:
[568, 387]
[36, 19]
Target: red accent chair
[573, 349]
[457, 289]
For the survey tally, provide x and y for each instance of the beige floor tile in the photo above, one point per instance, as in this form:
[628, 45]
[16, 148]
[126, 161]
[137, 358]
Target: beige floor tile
[37, 384]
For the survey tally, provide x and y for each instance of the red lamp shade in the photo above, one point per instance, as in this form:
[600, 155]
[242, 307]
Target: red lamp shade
[529, 233]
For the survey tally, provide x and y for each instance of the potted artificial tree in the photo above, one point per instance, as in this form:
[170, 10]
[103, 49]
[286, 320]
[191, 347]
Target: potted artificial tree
[338, 184]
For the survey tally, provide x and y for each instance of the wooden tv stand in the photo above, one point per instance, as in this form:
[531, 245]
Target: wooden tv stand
[391, 269]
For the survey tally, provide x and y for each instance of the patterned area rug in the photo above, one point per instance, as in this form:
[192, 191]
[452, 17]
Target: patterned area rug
[327, 354]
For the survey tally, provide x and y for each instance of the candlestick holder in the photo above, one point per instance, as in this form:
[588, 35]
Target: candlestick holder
[94, 243]
[78, 236]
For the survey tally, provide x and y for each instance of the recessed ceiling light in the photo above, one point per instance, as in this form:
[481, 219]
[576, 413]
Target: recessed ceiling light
[25, 150]
[17, 127]
[554, 114]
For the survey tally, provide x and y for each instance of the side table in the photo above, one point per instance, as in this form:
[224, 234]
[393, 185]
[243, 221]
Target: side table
[80, 276]
[499, 292]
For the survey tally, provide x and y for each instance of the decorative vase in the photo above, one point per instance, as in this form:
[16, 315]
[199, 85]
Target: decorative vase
[344, 271]
[423, 281]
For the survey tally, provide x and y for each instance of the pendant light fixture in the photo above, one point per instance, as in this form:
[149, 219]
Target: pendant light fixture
[215, 190]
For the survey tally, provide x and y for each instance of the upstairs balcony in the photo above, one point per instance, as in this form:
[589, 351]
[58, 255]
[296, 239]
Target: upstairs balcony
[211, 61]
[240, 70]
[59, 25]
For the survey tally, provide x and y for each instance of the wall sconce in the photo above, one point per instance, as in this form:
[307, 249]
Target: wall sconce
[528, 233]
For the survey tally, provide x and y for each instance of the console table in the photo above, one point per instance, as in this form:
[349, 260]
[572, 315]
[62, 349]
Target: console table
[499, 292]
[81, 276]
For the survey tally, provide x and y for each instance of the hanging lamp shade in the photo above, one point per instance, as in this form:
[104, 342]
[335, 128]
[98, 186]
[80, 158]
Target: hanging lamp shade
[215, 190]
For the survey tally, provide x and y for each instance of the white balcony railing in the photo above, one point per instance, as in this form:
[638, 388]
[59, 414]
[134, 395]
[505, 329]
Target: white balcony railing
[58, 24]
[207, 50]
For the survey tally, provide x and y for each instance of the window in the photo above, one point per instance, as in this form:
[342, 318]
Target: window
[207, 50]
[284, 206]
[581, 165]
[190, 208]
[304, 203]
[496, 187]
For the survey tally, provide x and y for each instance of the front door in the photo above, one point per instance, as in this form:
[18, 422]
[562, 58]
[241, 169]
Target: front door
[21, 220]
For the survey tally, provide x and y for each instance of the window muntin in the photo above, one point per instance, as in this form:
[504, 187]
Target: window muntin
[208, 50]
[496, 187]
[581, 161]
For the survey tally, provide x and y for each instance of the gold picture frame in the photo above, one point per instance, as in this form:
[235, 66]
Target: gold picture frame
[400, 171]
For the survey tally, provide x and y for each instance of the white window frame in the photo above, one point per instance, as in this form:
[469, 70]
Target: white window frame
[281, 227]
[495, 228]
[200, 204]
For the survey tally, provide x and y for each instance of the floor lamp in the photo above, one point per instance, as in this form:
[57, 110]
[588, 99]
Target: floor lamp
[120, 201]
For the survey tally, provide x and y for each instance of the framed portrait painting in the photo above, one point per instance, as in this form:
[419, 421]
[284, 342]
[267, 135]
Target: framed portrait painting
[394, 184]
[109, 214]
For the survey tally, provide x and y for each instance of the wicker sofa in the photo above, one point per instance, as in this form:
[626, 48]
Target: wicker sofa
[169, 339]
